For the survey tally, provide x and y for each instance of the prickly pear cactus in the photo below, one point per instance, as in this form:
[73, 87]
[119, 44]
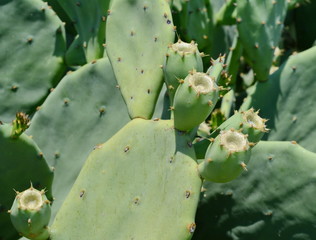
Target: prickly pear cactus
[279, 100]
[140, 187]
[259, 24]
[32, 44]
[30, 213]
[83, 111]
[21, 162]
[88, 17]
[273, 200]
[137, 51]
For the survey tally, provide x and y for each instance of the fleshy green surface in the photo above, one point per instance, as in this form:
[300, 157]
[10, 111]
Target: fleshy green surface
[32, 46]
[21, 162]
[288, 100]
[180, 63]
[141, 184]
[259, 24]
[193, 104]
[28, 220]
[227, 13]
[84, 110]
[137, 51]
[89, 19]
[274, 199]
[221, 165]
[194, 21]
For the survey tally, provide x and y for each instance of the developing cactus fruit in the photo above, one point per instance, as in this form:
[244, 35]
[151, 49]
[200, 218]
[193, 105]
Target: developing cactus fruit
[181, 59]
[226, 157]
[136, 136]
[30, 214]
[194, 100]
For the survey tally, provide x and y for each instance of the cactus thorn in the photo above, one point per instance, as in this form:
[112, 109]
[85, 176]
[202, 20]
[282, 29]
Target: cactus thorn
[244, 166]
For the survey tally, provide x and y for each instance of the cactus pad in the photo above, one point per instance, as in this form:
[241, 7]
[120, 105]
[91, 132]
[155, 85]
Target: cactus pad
[21, 162]
[71, 122]
[141, 184]
[260, 23]
[137, 51]
[274, 199]
[32, 46]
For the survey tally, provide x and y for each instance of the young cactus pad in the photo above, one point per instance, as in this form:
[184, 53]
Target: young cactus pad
[226, 157]
[140, 184]
[194, 100]
[30, 214]
[137, 36]
[181, 58]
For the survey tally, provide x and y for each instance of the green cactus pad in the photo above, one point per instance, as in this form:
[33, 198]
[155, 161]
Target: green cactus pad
[227, 13]
[274, 199]
[83, 111]
[198, 23]
[89, 19]
[194, 100]
[32, 46]
[137, 51]
[260, 23]
[287, 100]
[182, 58]
[226, 157]
[21, 162]
[141, 184]
[30, 214]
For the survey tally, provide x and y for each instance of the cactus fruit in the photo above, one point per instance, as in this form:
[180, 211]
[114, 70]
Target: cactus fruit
[249, 122]
[21, 161]
[141, 184]
[226, 157]
[182, 58]
[137, 51]
[30, 214]
[260, 23]
[194, 100]
[33, 45]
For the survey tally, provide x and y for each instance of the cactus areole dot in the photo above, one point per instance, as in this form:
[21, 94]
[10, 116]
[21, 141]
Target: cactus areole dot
[234, 141]
[184, 48]
[201, 83]
[31, 199]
